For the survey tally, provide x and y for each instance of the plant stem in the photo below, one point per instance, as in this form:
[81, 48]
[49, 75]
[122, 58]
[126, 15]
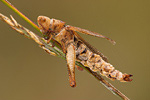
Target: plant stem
[7, 3]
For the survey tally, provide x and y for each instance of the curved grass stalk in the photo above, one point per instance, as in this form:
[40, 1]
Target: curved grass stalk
[55, 51]
[7, 3]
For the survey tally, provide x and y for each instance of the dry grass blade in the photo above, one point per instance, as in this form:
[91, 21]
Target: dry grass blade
[27, 33]
[55, 51]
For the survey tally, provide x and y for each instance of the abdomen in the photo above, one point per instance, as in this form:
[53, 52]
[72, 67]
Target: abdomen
[97, 64]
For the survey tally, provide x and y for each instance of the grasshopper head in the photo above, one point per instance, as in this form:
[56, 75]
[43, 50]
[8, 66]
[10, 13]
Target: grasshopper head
[49, 26]
[44, 23]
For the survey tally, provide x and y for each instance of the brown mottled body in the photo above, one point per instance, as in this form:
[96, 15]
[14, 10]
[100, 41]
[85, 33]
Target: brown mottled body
[77, 49]
[96, 63]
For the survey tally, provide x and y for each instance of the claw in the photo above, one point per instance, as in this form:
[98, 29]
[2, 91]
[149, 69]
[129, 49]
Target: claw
[73, 84]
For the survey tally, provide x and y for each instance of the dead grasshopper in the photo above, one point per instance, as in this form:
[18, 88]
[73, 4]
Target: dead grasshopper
[77, 49]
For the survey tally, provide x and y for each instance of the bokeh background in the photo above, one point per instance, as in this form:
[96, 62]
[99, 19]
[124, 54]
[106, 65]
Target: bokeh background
[28, 73]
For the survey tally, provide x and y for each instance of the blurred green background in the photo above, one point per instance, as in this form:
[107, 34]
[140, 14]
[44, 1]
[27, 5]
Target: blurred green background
[28, 73]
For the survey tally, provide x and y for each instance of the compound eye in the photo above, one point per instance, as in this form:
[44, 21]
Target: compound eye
[43, 19]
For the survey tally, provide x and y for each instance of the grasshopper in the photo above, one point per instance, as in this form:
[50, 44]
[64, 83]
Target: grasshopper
[77, 49]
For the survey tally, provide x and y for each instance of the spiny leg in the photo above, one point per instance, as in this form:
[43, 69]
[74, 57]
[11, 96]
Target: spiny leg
[84, 31]
[70, 57]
